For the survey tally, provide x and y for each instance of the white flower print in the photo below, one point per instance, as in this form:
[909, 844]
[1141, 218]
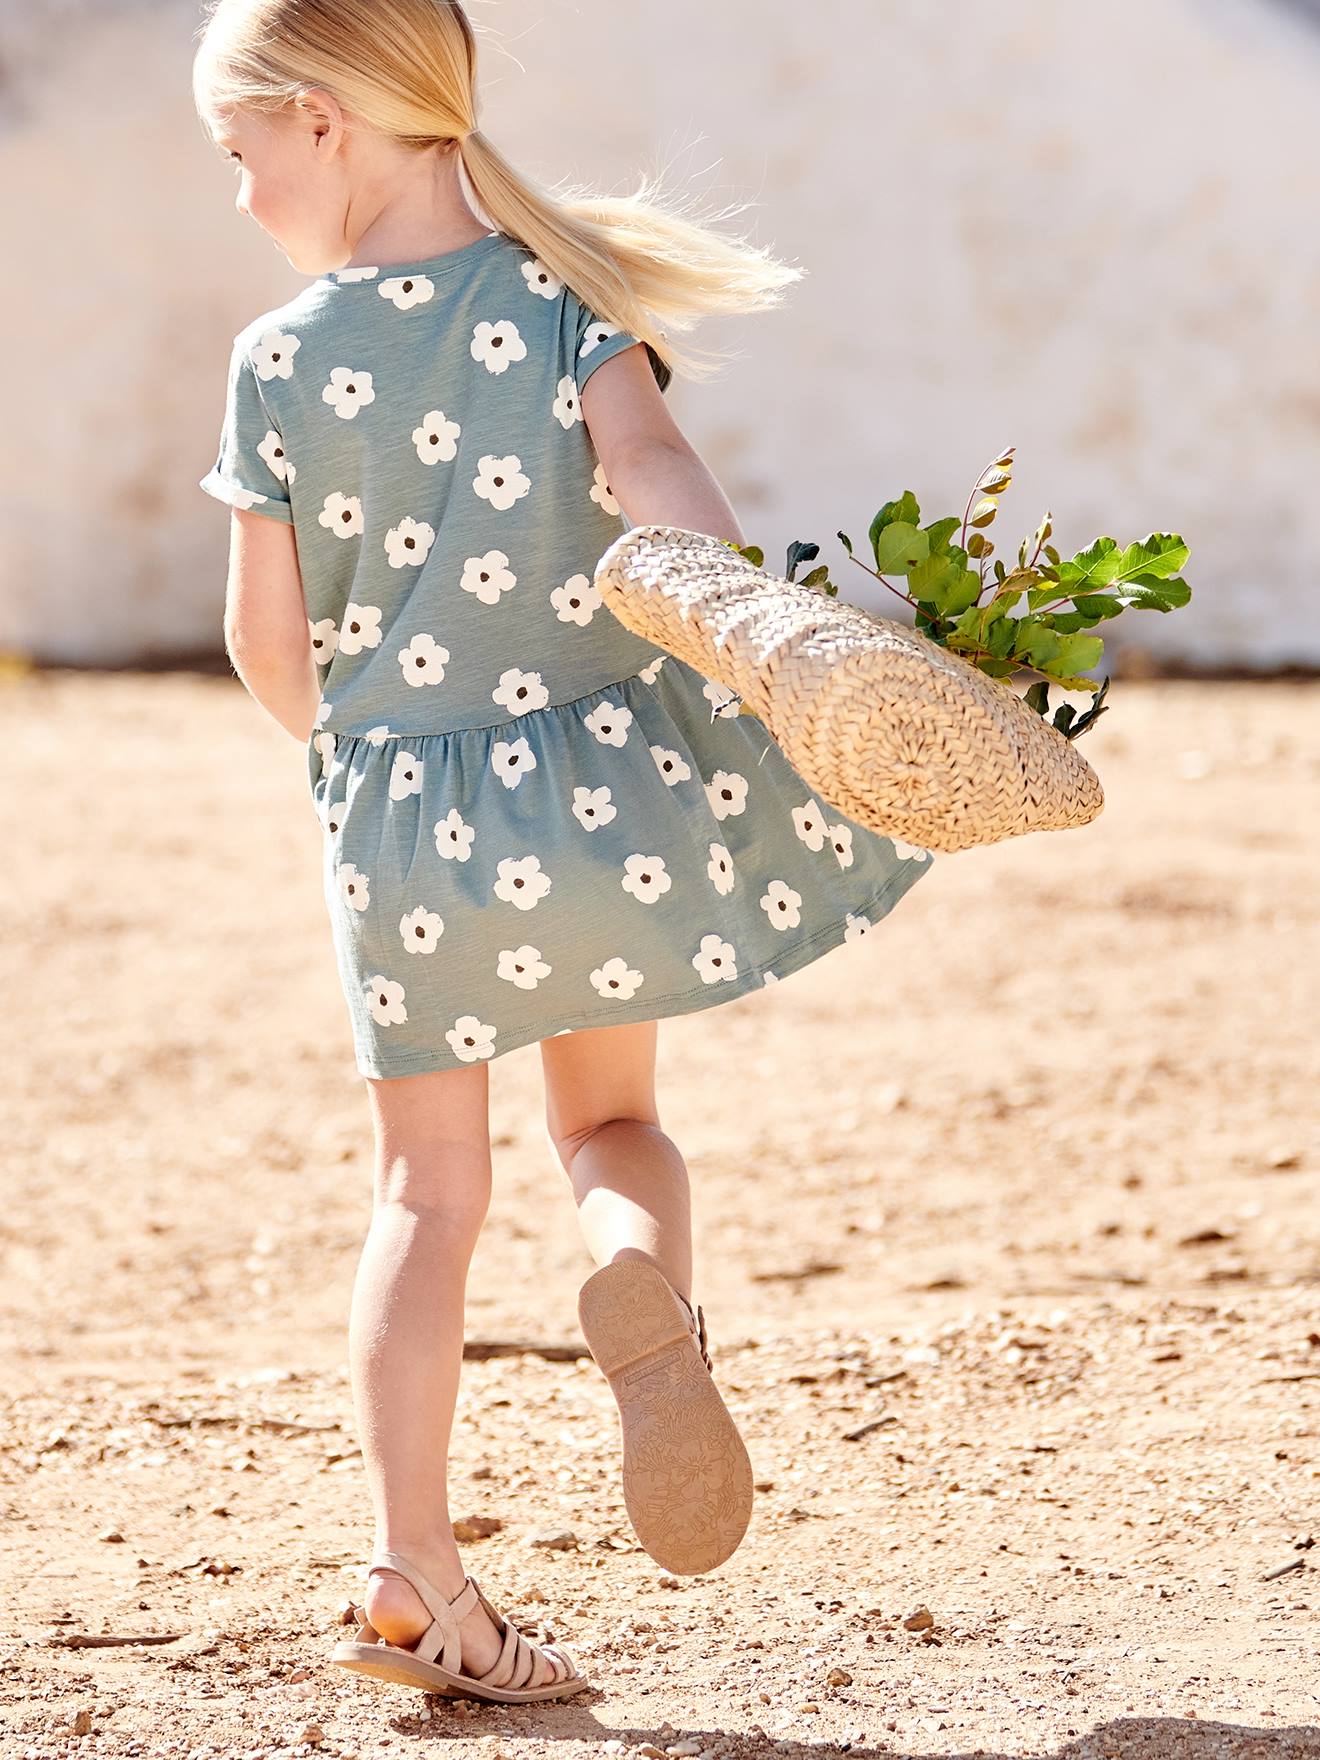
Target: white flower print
[769, 978]
[497, 345]
[423, 660]
[616, 978]
[488, 576]
[354, 888]
[646, 877]
[272, 450]
[348, 391]
[453, 837]
[673, 766]
[522, 966]
[593, 807]
[342, 515]
[470, 1038]
[715, 959]
[406, 291]
[358, 274]
[500, 480]
[359, 629]
[272, 355]
[409, 542]
[725, 703]
[324, 743]
[405, 776]
[386, 999]
[377, 735]
[334, 816]
[809, 823]
[421, 929]
[322, 713]
[521, 881]
[566, 408]
[519, 691]
[855, 927]
[610, 722]
[910, 852]
[781, 904]
[577, 601]
[437, 437]
[841, 838]
[720, 869]
[651, 671]
[596, 335]
[539, 279]
[324, 639]
[727, 793]
[510, 759]
[602, 493]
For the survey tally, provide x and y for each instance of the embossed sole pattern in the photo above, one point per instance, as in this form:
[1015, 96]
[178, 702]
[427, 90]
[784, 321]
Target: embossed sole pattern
[687, 1478]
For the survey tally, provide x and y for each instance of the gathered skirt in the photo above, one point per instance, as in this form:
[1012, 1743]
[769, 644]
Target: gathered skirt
[637, 852]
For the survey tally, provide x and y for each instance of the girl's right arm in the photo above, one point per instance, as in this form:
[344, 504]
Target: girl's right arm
[653, 471]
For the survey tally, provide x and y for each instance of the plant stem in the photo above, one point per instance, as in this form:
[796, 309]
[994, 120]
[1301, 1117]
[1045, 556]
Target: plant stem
[905, 597]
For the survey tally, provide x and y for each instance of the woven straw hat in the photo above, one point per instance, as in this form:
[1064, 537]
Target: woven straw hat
[897, 733]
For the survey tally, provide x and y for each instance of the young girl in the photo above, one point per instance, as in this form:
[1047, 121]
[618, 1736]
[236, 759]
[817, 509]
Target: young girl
[537, 826]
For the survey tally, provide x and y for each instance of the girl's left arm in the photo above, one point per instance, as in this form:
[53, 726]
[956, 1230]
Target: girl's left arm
[265, 623]
[654, 472]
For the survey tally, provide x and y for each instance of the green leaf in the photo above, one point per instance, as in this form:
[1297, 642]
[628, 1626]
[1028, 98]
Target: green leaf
[1038, 697]
[984, 511]
[903, 511]
[846, 541]
[1076, 652]
[799, 552]
[899, 547]
[754, 554]
[1063, 719]
[941, 531]
[817, 577]
[935, 580]
[1155, 557]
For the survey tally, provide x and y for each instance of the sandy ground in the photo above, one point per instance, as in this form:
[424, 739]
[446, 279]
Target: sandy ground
[1029, 1177]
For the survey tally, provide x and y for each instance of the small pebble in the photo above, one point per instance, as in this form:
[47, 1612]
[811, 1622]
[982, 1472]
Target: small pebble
[313, 1735]
[476, 1527]
[839, 1677]
[920, 1621]
[555, 1540]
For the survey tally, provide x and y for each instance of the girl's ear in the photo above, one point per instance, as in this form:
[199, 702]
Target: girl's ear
[323, 117]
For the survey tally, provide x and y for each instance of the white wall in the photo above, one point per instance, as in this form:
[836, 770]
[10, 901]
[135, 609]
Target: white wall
[1088, 231]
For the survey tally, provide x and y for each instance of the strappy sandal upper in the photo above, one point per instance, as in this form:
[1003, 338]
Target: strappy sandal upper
[435, 1660]
[697, 1322]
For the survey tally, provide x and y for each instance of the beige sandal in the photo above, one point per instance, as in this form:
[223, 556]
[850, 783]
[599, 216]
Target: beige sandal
[687, 1478]
[368, 1653]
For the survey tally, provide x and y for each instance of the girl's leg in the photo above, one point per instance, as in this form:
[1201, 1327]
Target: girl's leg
[431, 1194]
[629, 1180]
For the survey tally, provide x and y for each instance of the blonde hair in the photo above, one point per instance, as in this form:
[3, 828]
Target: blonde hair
[407, 69]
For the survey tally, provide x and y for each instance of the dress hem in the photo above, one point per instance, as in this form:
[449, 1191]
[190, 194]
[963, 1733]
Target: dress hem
[801, 953]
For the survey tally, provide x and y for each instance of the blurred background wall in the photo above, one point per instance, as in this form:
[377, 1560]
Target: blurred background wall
[1088, 231]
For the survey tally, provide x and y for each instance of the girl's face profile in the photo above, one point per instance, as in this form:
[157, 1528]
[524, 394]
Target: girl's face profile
[290, 179]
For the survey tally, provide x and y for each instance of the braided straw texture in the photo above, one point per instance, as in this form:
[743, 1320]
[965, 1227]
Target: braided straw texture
[896, 732]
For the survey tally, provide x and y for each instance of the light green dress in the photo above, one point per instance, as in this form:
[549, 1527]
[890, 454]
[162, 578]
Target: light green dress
[534, 820]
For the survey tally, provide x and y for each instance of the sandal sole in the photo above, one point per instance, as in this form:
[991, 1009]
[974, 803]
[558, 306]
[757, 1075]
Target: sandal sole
[398, 1667]
[687, 1478]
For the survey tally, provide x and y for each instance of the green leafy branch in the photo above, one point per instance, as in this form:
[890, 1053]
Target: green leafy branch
[948, 582]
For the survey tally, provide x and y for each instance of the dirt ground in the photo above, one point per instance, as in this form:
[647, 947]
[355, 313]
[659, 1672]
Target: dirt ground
[1025, 1186]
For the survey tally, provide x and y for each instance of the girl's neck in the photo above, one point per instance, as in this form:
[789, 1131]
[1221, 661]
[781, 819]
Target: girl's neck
[428, 217]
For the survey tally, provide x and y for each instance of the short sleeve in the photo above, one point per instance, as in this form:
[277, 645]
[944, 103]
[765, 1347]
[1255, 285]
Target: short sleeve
[251, 470]
[597, 341]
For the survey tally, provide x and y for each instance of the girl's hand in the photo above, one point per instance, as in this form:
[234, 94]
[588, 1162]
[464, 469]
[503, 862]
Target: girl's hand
[654, 474]
[265, 620]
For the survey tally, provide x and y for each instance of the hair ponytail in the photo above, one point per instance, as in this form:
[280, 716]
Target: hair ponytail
[407, 68]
